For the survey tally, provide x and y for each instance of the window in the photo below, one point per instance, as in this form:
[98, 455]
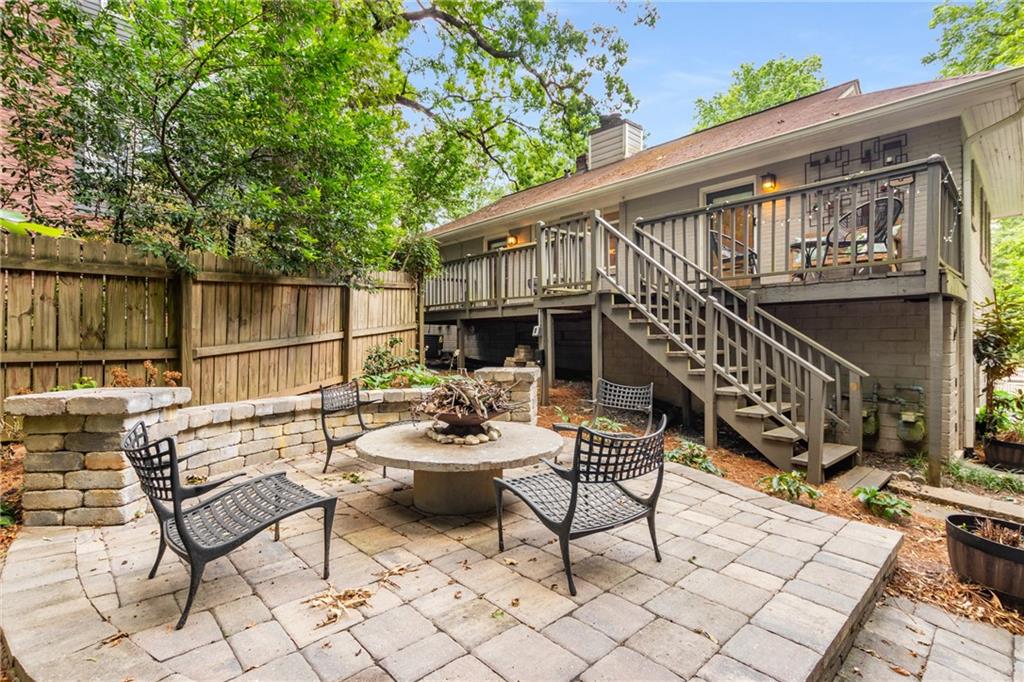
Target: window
[496, 244]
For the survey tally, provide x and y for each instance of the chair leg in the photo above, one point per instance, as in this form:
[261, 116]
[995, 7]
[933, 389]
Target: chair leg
[159, 554]
[563, 541]
[329, 509]
[654, 536]
[497, 508]
[195, 578]
[277, 531]
[385, 472]
[327, 461]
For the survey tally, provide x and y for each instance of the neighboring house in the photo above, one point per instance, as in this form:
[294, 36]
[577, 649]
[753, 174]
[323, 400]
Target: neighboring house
[846, 234]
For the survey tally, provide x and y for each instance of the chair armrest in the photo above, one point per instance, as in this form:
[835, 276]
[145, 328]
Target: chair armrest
[562, 426]
[196, 490]
[562, 472]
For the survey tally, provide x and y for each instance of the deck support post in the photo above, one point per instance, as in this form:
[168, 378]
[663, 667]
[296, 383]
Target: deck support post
[596, 348]
[855, 434]
[460, 343]
[936, 452]
[547, 375]
[816, 431]
[710, 376]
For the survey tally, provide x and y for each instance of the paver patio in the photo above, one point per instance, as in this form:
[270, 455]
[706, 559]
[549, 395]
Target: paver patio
[750, 587]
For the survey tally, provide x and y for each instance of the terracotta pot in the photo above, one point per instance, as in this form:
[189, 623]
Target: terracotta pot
[994, 565]
[1004, 454]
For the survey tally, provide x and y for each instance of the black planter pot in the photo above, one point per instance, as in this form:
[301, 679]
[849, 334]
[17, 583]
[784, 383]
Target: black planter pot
[996, 566]
[1004, 454]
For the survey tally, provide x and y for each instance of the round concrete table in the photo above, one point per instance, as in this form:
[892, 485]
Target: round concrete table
[456, 479]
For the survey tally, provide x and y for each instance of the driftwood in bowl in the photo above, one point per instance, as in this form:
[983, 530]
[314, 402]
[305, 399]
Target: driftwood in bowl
[463, 401]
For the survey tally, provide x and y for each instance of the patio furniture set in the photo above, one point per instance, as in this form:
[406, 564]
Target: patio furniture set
[588, 497]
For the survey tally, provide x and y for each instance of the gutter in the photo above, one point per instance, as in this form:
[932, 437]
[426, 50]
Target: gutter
[1000, 78]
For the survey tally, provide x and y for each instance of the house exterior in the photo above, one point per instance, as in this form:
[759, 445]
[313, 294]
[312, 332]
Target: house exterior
[845, 235]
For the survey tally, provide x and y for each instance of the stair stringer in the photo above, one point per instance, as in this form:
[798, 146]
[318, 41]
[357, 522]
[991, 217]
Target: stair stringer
[680, 367]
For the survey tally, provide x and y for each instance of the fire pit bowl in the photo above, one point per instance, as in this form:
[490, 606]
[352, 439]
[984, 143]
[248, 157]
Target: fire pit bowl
[452, 419]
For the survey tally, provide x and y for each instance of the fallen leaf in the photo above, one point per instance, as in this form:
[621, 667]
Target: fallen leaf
[337, 604]
[458, 595]
[114, 639]
[900, 671]
[511, 562]
[497, 613]
[515, 602]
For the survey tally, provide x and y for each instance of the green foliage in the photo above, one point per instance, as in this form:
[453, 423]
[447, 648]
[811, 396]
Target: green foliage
[80, 383]
[384, 368]
[885, 505]
[984, 477]
[756, 88]
[8, 514]
[605, 425]
[791, 485]
[563, 416]
[1008, 256]
[13, 222]
[999, 339]
[978, 36]
[1003, 414]
[299, 133]
[695, 456]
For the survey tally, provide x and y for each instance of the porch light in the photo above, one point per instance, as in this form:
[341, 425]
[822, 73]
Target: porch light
[511, 241]
[768, 183]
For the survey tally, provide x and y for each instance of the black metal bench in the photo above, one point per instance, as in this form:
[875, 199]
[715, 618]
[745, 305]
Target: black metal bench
[589, 498]
[220, 524]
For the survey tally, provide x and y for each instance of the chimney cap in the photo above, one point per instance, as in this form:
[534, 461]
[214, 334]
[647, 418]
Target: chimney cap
[614, 120]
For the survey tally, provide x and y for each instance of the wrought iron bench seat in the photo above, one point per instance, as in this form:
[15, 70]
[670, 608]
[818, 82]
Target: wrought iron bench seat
[232, 518]
[600, 506]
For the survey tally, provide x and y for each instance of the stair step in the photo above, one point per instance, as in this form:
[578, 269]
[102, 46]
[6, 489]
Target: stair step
[700, 370]
[735, 391]
[830, 454]
[758, 412]
[786, 434]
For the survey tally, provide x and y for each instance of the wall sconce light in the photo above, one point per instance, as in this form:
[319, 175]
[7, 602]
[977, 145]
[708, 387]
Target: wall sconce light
[511, 241]
[768, 183]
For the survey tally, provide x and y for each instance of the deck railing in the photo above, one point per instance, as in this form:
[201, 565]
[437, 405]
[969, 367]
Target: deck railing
[490, 280]
[900, 218]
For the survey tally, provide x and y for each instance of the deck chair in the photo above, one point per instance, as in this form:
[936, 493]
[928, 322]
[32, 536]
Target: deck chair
[342, 398]
[210, 529]
[853, 243]
[612, 396]
[590, 498]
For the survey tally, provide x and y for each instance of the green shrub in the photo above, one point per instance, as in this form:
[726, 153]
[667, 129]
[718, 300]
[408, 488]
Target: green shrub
[791, 485]
[80, 383]
[695, 456]
[881, 504]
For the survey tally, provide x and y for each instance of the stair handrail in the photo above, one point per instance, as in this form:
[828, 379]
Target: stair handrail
[604, 226]
[824, 350]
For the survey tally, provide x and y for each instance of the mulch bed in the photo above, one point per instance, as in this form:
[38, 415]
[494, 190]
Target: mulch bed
[11, 477]
[922, 565]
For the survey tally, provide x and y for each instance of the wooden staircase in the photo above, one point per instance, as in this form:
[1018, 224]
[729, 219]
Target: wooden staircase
[778, 389]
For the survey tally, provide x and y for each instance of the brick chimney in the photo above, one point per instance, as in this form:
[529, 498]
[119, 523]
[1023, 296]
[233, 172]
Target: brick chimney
[616, 139]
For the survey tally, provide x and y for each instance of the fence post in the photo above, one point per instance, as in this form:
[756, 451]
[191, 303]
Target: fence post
[710, 375]
[348, 317]
[815, 430]
[421, 298]
[186, 340]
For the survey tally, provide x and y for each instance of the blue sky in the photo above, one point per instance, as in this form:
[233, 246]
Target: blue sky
[695, 45]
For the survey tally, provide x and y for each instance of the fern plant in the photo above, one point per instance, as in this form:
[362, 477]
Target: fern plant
[885, 505]
[791, 485]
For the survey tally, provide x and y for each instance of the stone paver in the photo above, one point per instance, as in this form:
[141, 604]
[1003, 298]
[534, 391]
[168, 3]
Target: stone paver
[749, 588]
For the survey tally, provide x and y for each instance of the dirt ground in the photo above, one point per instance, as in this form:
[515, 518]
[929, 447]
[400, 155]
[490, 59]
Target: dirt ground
[922, 565]
[11, 475]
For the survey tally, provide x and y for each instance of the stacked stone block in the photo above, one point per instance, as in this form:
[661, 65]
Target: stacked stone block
[75, 473]
[524, 382]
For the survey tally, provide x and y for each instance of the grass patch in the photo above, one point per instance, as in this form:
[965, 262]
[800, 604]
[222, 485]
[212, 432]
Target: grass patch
[989, 479]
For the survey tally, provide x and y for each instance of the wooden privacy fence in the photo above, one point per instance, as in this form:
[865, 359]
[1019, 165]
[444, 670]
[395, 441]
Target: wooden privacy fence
[75, 308]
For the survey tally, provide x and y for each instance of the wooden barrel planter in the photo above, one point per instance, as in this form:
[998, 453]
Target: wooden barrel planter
[1004, 454]
[994, 565]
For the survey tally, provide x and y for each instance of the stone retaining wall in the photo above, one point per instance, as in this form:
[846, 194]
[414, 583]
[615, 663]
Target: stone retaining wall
[75, 473]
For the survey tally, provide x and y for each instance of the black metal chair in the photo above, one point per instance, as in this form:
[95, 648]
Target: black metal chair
[342, 398]
[589, 498]
[851, 244]
[612, 396]
[212, 528]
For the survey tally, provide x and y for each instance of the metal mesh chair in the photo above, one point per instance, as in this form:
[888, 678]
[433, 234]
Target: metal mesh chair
[612, 396]
[342, 398]
[589, 497]
[211, 529]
